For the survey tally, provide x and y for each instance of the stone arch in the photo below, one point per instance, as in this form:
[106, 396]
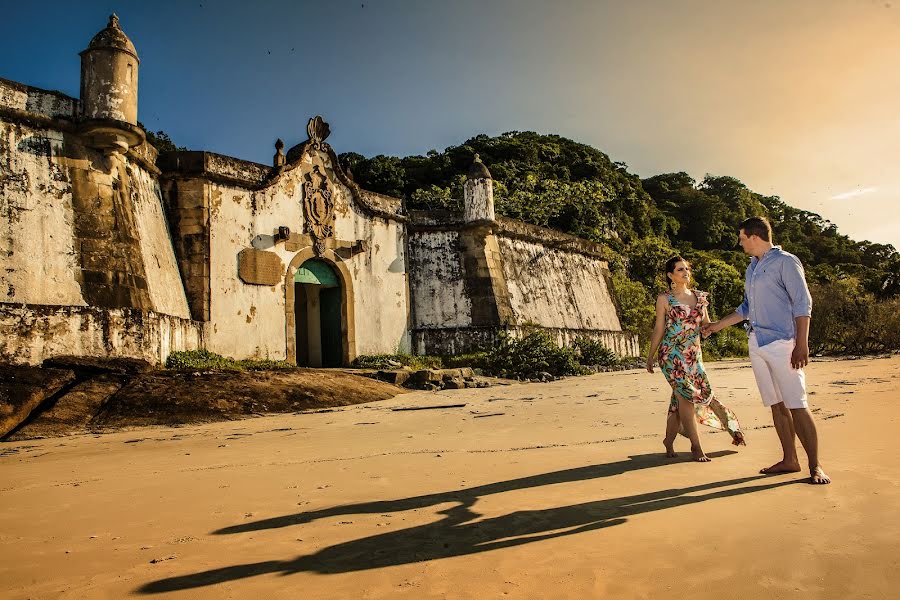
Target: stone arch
[348, 326]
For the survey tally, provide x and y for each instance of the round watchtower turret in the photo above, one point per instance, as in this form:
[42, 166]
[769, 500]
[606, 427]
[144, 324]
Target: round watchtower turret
[109, 88]
[478, 193]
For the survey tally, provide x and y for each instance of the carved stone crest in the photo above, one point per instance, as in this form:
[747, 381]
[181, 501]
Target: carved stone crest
[318, 204]
[318, 130]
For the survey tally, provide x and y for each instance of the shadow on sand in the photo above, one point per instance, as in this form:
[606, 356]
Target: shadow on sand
[456, 534]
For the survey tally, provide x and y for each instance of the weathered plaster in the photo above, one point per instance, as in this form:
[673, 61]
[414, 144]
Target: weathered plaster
[31, 333]
[556, 288]
[436, 281]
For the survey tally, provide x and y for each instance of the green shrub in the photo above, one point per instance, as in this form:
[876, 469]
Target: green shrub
[475, 360]
[204, 360]
[264, 364]
[731, 342]
[591, 352]
[394, 361]
[533, 353]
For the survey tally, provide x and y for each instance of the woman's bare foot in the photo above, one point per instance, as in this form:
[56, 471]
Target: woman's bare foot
[818, 476]
[738, 439]
[698, 454]
[670, 448]
[781, 467]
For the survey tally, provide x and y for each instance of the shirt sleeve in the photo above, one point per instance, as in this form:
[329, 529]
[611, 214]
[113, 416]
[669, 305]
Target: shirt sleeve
[795, 284]
[744, 308]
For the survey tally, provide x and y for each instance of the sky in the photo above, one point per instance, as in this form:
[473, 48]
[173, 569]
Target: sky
[796, 98]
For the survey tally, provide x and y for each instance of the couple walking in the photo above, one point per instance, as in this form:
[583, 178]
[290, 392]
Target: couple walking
[777, 307]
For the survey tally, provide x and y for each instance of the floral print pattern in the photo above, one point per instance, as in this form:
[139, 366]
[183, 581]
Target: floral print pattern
[681, 361]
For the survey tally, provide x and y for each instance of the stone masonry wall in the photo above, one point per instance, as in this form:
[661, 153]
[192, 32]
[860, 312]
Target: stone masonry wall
[469, 282]
[31, 333]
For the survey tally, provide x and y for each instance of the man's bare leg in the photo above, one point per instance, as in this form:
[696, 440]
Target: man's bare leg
[672, 425]
[809, 438]
[784, 426]
[689, 422]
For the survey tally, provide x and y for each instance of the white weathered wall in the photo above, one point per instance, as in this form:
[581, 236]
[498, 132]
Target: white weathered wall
[557, 289]
[29, 334]
[163, 278]
[436, 281]
[19, 97]
[37, 254]
[379, 278]
[249, 320]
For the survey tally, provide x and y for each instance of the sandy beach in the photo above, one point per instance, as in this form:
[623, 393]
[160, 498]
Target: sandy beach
[555, 490]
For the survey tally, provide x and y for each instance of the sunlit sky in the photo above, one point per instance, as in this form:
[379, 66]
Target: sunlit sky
[799, 98]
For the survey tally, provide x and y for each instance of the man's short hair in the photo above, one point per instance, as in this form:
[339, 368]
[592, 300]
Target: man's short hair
[757, 226]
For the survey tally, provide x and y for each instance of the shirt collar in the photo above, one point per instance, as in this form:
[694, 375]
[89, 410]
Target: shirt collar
[770, 251]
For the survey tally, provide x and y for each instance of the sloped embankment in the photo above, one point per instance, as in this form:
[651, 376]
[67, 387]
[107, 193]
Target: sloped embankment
[76, 395]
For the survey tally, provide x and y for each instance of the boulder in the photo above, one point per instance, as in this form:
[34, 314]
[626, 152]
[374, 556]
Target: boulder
[397, 377]
[24, 388]
[454, 383]
[419, 378]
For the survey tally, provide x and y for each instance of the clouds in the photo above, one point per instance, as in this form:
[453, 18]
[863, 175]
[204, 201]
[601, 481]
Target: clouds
[854, 193]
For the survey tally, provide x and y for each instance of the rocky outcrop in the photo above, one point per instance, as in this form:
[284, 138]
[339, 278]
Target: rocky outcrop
[23, 389]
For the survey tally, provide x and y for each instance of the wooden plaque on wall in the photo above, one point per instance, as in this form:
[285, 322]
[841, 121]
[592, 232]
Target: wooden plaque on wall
[258, 267]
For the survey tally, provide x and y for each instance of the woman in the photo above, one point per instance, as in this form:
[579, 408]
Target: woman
[680, 313]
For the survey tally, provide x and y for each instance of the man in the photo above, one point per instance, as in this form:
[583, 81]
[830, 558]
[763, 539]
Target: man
[777, 307]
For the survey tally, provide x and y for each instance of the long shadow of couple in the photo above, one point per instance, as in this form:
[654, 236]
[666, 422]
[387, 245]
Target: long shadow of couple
[457, 533]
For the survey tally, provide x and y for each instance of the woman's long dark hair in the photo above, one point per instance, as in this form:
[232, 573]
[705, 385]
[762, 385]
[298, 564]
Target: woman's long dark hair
[670, 268]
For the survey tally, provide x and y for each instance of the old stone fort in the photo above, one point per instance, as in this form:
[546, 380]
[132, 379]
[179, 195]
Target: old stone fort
[108, 249]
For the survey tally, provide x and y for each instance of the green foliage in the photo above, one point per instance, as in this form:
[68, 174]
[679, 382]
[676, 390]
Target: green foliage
[160, 140]
[204, 360]
[637, 307]
[849, 320]
[728, 343]
[533, 353]
[476, 360]
[590, 352]
[724, 283]
[546, 180]
[395, 361]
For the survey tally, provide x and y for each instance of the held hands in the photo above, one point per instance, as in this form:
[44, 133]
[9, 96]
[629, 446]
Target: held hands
[710, 328]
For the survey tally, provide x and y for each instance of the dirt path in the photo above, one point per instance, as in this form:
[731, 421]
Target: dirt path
[555, 490]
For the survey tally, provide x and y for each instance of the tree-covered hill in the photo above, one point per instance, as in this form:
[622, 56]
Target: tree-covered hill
[555, 182]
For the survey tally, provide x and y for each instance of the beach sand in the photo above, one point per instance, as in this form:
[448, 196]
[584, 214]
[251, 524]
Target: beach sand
[556, 490]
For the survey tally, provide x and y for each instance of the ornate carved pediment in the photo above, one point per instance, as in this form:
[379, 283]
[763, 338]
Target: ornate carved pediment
[318, 207]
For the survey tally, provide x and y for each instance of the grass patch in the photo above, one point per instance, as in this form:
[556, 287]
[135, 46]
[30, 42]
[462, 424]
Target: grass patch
[397, 361]
[204, 360]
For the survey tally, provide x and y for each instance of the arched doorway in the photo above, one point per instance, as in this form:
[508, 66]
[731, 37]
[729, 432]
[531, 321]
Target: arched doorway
[317, 315]
[347, 312]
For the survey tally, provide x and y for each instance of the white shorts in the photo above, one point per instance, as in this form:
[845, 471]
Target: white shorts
[777, 380]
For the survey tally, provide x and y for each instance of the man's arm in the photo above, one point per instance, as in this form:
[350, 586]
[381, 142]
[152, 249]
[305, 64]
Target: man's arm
[800, 355]
[801, 309]
[732, 319]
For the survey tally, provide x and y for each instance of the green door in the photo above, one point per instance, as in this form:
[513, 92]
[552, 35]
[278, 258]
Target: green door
[330, 305]
[318, 333]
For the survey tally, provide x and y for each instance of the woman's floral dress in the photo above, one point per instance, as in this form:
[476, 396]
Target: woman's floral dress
[681, 361]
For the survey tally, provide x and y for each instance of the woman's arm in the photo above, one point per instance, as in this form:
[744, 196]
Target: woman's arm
[659, 328]
[705, 321]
